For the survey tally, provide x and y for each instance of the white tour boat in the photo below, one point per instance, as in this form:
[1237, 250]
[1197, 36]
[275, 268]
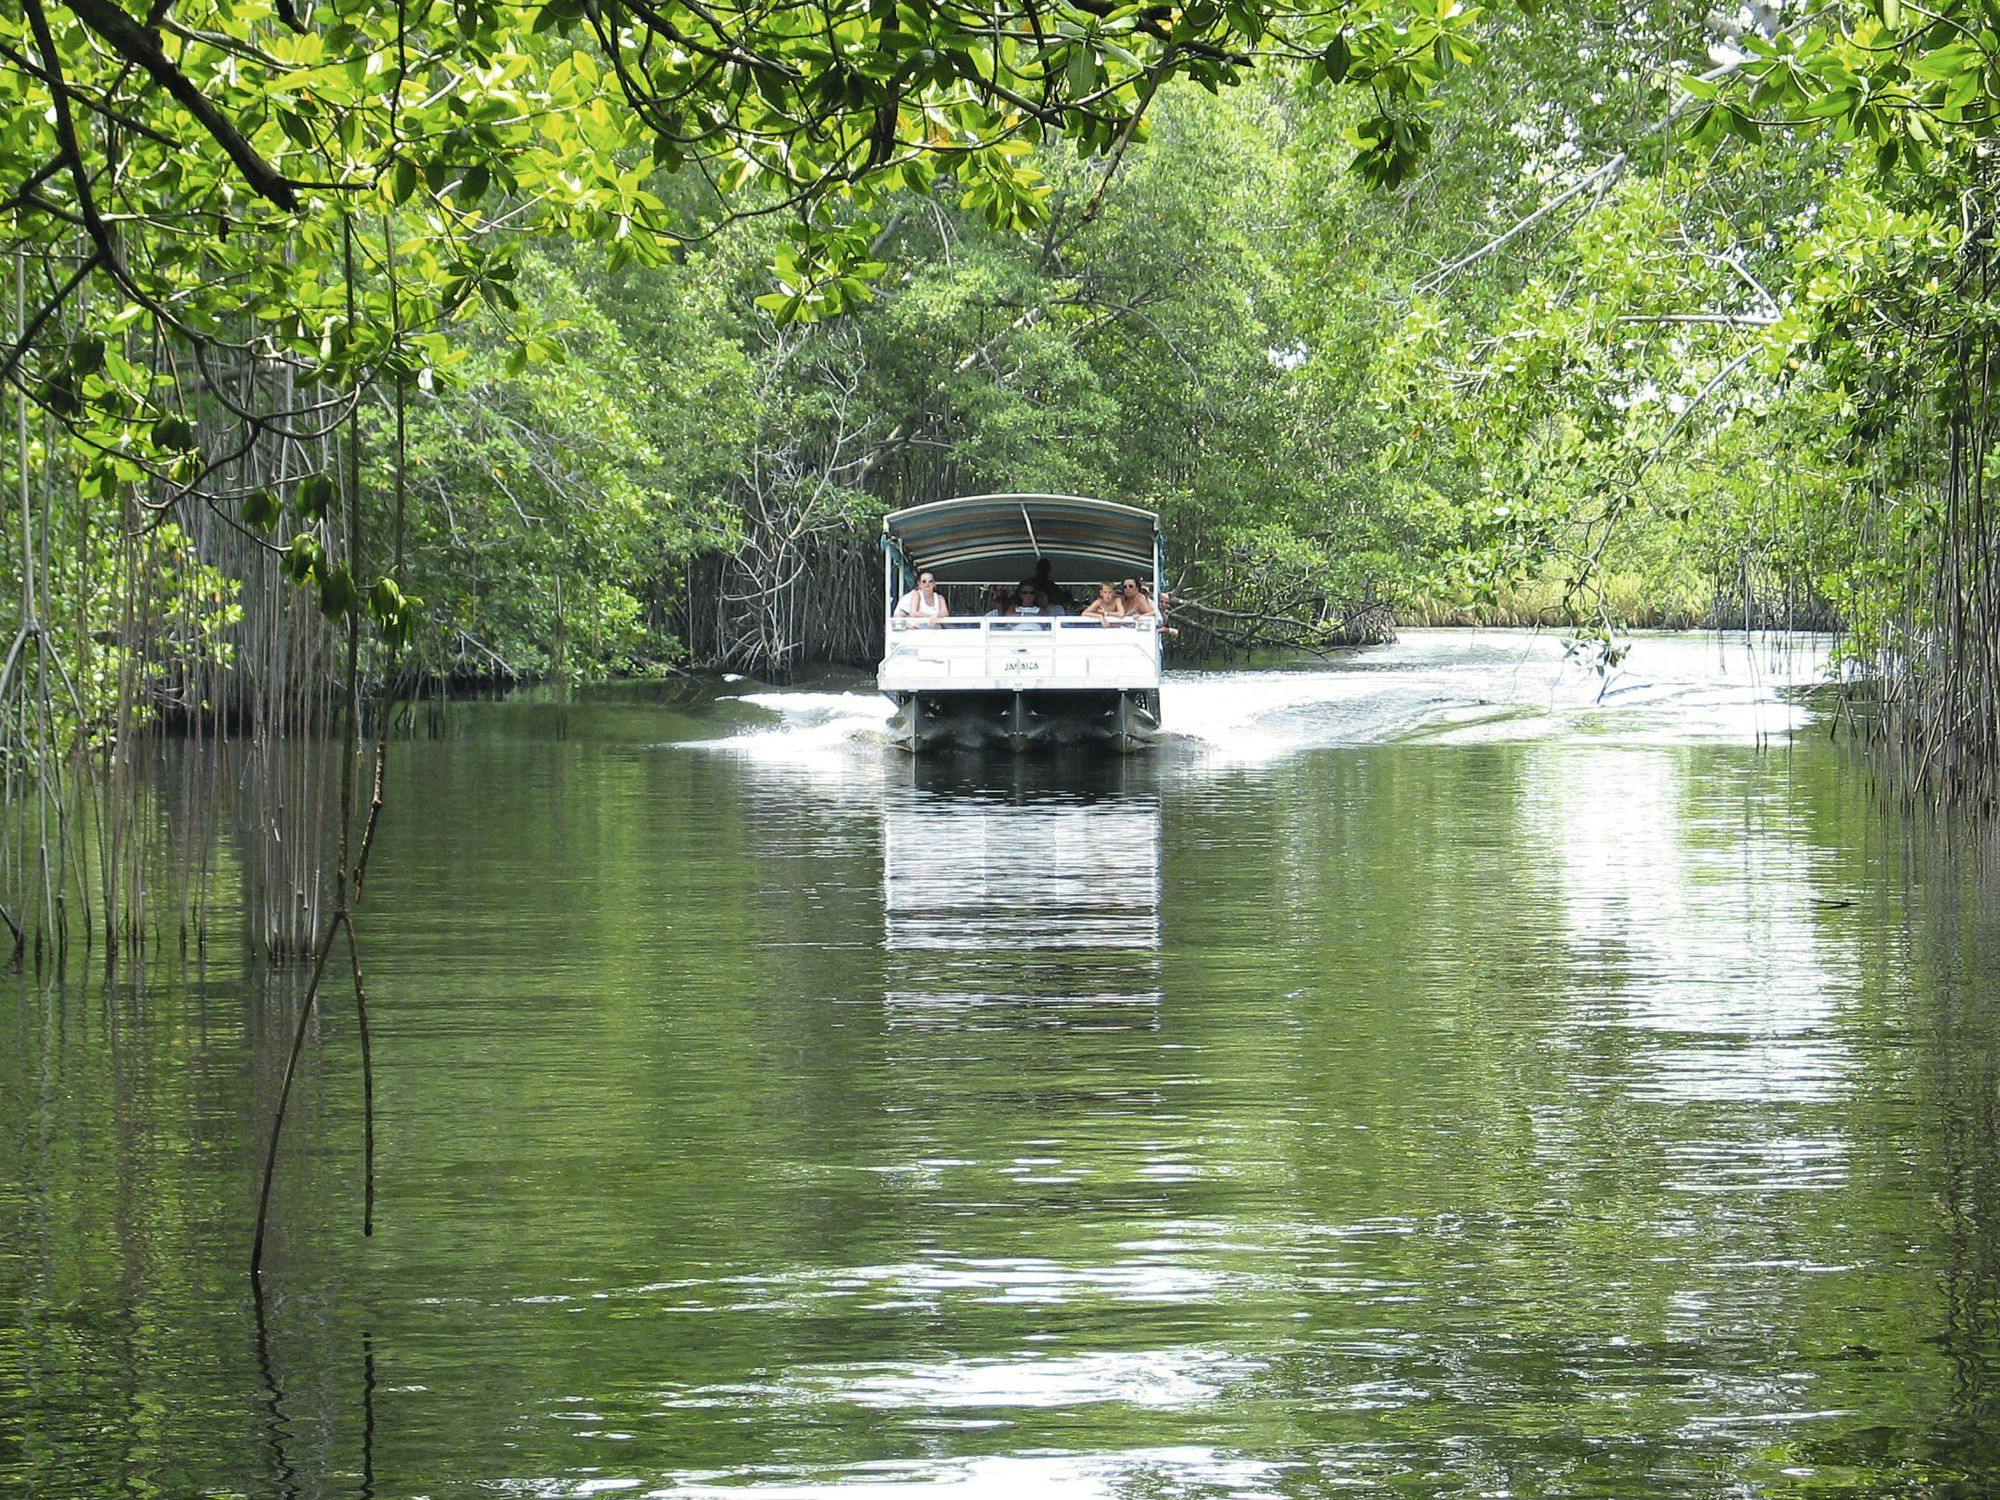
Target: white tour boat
[971, 677]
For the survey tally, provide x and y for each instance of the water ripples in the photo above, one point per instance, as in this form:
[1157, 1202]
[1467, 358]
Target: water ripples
[1446, 1074]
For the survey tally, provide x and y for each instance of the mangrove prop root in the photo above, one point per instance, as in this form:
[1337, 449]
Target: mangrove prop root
[334, 924]
[367, 1088]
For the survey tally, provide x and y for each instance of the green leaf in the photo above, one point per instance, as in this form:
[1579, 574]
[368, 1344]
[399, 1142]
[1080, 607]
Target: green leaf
[300, 558]
[1831, 106]
[338, 597]
[86, 354]
[261, 510]
[1081, 70]
[315, 496]
[1337, 59]
[58, 394]
[172, 434]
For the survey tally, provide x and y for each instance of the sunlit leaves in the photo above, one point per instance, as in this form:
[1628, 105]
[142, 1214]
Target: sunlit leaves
[1907, 92]
[824, 270]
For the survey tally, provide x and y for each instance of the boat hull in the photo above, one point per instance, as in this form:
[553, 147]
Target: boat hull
[1122, 719]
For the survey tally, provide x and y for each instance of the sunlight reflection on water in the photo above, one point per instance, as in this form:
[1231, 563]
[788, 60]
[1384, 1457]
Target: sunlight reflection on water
[1433, 1075]
[1143, 1471]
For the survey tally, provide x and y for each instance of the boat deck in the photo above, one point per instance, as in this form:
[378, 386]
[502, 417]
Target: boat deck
[1021, 653]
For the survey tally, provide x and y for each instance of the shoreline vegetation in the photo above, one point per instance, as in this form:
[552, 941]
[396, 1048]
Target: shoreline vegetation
[350, 347]
[1634, 605]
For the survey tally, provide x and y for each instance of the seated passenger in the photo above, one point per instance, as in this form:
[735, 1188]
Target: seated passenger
[998, 602]
[923, 602]
[1044, 583]
[1134, 600]
[1051, 605]
[1106, 606]
[1028, 602]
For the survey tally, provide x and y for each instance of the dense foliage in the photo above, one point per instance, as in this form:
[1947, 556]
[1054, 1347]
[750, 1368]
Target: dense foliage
[593, 337]
[360, 344]
[1751, 338]
[352, 338]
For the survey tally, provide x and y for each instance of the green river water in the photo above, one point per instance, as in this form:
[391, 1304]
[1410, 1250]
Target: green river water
[1428, 1077]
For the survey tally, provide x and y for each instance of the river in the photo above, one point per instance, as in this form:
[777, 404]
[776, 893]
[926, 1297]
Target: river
[1439, 1071]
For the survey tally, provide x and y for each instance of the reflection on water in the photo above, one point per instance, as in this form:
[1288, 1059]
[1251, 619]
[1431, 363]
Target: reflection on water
[1718, 952]
[1019, 875]
[1587, 1102]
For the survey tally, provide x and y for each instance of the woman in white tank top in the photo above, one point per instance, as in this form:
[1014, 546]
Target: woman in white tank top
[923, 602]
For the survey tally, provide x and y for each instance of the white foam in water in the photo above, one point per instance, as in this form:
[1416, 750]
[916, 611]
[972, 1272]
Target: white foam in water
[810, 725]
[1463, 686]
[1444, 686]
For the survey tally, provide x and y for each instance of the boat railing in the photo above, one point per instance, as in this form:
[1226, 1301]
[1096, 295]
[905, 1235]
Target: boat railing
[1055, 653]
[1021, 624]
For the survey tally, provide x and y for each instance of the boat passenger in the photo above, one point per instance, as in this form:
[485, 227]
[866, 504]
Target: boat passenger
[923, 603]
[1134, 599]
[1028, 601]
[1044, 583]
[1106, 606]
[998, 602]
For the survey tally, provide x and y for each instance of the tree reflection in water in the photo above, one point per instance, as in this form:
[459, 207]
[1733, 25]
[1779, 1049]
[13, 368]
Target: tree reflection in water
[1606, 1116]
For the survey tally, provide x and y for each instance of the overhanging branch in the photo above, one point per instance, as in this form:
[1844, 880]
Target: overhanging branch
[141, 47]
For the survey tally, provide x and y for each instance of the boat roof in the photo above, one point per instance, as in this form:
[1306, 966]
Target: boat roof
[1000, 538]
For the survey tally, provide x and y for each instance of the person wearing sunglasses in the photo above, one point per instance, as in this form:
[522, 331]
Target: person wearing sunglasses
[1133, 600]
[923, 603]
[1052, 596]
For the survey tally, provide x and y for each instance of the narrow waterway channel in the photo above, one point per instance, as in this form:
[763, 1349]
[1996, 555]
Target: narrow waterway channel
[1439, 1071]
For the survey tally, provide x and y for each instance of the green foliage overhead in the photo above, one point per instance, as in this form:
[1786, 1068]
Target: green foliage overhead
[1554, 311]
[328, 189]
[206, 132]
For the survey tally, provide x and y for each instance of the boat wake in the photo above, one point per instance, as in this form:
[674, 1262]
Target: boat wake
[802, 725]
[1434, 686]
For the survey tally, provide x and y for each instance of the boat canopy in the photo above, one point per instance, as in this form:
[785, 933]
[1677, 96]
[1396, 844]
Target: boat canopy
[1000, 538]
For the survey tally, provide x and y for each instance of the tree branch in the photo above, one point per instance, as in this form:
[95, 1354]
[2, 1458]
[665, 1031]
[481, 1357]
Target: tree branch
[139, 46]
[48, 310]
